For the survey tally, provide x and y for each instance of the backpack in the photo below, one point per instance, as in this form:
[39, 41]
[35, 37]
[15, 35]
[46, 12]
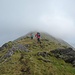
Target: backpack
[38, 34]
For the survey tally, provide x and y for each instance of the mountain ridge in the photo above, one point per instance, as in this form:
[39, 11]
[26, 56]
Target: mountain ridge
[28, 57]
[45, 35]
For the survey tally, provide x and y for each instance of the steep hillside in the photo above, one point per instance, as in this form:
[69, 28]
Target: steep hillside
[28, 57]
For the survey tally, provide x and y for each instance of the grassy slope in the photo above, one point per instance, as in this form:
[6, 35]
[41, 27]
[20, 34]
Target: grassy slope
[27, 63]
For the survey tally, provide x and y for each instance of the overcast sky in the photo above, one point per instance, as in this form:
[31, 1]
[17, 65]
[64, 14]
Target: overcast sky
[57, 17]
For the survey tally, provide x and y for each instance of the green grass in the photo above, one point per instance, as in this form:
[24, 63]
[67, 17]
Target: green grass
[28, 63]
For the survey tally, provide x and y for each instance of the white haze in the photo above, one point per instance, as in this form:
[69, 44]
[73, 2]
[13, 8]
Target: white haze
[56, 17]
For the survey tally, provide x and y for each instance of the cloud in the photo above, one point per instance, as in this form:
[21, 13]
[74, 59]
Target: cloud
[58, 25]
[55, 17]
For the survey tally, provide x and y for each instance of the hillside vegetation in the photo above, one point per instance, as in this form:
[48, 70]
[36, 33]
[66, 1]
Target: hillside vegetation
[28, 57]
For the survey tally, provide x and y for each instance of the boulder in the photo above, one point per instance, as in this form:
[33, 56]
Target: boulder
[43, 54]
[68, 55]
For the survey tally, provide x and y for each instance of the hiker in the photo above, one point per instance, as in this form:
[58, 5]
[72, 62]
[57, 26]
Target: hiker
[31, 35]
[38, 37]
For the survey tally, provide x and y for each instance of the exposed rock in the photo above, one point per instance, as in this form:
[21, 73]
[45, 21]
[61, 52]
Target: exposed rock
[21, 48]
[6, 45]
[44, 54]
[68, 55]
[45, 60]
[11, 51]
[27, 45]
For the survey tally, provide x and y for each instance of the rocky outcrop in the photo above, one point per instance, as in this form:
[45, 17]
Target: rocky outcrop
[43, 54]
[7, 45]
[45, 60]
[68, 55]
[12, 50]
[20, 47]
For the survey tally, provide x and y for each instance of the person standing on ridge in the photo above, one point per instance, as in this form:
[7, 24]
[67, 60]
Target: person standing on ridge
[38, 37]
[31, 35]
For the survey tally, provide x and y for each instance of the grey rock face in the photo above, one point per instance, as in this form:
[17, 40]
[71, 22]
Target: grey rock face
[68, 55]
[45, 60]
[21, 48]
[44, 54]
[12, 50]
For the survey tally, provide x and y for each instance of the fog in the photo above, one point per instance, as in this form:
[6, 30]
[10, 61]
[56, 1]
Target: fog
[56, 17]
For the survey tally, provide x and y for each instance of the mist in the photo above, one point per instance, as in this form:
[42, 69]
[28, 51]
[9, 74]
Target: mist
[56, 17]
